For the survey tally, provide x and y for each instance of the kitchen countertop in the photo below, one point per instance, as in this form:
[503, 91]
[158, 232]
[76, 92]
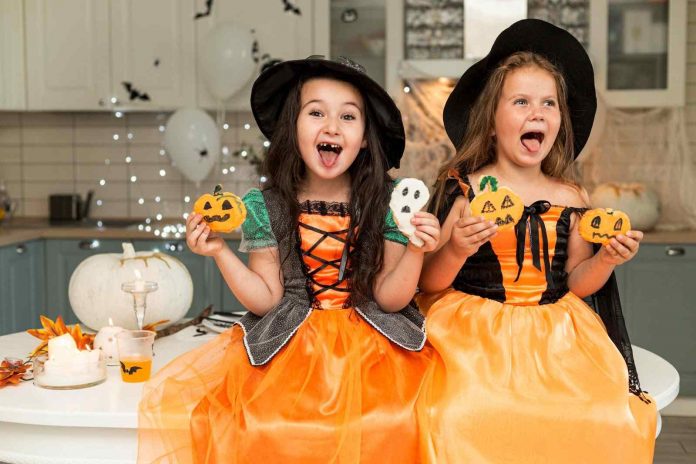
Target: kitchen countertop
[20, 230]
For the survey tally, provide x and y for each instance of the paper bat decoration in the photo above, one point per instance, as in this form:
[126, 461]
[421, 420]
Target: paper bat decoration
[291, 7]
[135, 94]
[208, 10]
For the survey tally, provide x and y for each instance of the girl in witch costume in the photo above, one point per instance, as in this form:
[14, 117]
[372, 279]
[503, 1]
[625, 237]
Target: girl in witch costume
[327, 365]
[526, 371]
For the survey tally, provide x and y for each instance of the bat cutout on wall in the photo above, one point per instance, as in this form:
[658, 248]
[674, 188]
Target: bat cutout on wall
[203, 152]
[135, 94]
[291, 7]
[131, 370]
[208, 10]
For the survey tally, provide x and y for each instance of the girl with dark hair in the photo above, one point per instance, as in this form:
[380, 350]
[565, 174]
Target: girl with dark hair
[328, 363]
[526, 371]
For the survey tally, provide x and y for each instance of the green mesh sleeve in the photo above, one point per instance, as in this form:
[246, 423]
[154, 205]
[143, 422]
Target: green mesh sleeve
[391, 230]
[256, 229]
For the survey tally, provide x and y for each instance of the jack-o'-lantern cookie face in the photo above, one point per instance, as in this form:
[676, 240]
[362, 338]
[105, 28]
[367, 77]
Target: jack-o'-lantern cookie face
[600, 225]
[408, 197]
[222, 211]
[499, 205]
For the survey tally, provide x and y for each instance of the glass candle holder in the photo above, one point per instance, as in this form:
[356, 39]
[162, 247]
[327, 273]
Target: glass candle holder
[139, 289]
[84, 370]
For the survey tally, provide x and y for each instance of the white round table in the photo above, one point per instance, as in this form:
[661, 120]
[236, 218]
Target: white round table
[98, 424]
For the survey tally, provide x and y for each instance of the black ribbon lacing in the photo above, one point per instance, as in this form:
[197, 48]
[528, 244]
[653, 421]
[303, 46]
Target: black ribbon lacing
[339, 264]
[532, 214]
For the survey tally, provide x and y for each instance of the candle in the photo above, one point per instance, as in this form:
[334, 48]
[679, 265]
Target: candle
[139, 283]
[67, 366]
[105, 341]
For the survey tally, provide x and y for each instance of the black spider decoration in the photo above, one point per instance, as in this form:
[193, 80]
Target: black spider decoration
[203, 152]
[133, 93]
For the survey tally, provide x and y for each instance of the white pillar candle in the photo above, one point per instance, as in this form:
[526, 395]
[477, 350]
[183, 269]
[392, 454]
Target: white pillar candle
[67, 366]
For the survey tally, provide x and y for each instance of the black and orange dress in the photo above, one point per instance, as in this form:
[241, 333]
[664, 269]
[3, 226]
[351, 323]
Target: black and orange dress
[526, 371]
[316, 380]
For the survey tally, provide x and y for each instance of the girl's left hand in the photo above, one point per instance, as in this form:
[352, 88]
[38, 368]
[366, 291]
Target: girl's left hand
[427, 229]
[621, 248]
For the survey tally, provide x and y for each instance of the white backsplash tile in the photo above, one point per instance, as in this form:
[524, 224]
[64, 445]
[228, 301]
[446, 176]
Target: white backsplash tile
[44, 135]
[36, 154]
[10, 154]
[10, 135]
[98, 135]
[48, 172]
[41, 190]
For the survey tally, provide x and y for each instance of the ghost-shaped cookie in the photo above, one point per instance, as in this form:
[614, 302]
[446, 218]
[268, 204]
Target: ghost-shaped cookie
[407, 198]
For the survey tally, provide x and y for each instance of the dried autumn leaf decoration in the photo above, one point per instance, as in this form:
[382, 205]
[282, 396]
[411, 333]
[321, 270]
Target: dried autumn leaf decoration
[153, 326]
[12, 371]
[55, 329]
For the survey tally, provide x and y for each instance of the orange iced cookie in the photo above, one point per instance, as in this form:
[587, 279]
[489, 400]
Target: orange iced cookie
[600, 224]
[222, 211]
[499, 204]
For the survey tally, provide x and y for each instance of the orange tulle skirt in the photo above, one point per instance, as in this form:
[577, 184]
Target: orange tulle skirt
[338, 392]
[528, 384]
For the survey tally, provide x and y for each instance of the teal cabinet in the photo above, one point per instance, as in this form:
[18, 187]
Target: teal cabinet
[659, 308]
[228, 300]
[22, 281]
[62, 258]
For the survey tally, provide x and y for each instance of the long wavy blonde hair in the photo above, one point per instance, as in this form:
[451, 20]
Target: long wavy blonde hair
[478, 147]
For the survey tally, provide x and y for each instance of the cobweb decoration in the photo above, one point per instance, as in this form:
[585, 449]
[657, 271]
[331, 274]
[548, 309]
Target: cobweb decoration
[427, 144]
[651, 147]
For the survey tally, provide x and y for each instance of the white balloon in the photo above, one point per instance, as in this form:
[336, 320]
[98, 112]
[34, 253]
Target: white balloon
[192, 141]
[226, 60]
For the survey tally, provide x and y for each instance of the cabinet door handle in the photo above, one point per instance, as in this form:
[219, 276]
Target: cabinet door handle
[21, 249]
[675, 251]
[88, 244]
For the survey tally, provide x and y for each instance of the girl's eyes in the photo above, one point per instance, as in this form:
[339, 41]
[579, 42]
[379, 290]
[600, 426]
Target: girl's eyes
[318, 114]
[523, 101]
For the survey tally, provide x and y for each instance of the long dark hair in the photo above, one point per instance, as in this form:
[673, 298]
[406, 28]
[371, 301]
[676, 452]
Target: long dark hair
[369, 191]
[478, 148]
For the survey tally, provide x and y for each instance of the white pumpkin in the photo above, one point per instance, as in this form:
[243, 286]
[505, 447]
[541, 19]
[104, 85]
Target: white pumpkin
[95, 288]
[641, 204]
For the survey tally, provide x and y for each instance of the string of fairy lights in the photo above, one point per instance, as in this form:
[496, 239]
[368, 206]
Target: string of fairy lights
[155, 206]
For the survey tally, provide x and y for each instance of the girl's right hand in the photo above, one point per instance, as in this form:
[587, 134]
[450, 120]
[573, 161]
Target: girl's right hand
[469, 233]
[199, 238]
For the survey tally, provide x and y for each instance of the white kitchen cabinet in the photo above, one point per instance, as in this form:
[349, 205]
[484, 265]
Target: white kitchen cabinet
[280, 34]
[67, 51]
[638, 48]
[152, 48]
[80, 52]
[12, 77]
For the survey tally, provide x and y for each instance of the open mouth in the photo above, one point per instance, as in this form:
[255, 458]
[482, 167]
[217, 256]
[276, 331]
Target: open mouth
[532, 140]
[216, 218]
[329, 152]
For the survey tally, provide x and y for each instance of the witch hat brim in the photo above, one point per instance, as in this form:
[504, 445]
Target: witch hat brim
[553, 43]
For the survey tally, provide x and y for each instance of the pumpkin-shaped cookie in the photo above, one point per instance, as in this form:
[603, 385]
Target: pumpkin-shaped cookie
[222, 211]
[601, 224]
[499, 204]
